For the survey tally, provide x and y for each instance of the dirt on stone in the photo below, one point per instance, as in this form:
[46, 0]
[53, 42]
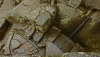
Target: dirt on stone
[43, 28]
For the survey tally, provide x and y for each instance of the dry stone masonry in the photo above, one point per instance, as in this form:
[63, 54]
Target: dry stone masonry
[40, 28]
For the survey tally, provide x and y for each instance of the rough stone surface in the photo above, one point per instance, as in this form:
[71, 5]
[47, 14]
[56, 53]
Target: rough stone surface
[67, 14]
[81, 54]
[5, 7]
[15, 44]
[68, 11]
[52, 49]
[19, 38]
[33, 12]
[93, 4]
[29, 31]
[37, 36]
[21, 50]
[25, 30]
[74, 3]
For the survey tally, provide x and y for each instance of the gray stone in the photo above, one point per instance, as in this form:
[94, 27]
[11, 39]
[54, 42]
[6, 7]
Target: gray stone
[32, 11]
[93, 4]
[19, 38]
[20, 12]
[52, 49]
[44, 16]
[21, 50]
[37, 36]
[15, 44]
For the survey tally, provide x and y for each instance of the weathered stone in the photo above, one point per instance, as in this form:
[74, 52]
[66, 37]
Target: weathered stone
[6, 48]
[19, 13]
[29, 31]
[25, 30]
[74, 3]
[52, 49]
[77, 48]
[64, 43]
[19, 38]
[93, 4]
[32, 11]
[28, 47]
[21, 50]
[15, 44]
[40, 53]
[5, 7]
[44, 16]
[37, 36]
[80, 54]
[67, 14]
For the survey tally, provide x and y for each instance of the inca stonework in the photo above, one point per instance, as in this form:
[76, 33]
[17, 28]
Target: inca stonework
[43, 28]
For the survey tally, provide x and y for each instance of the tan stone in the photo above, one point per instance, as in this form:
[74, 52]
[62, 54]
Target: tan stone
[93, 4]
